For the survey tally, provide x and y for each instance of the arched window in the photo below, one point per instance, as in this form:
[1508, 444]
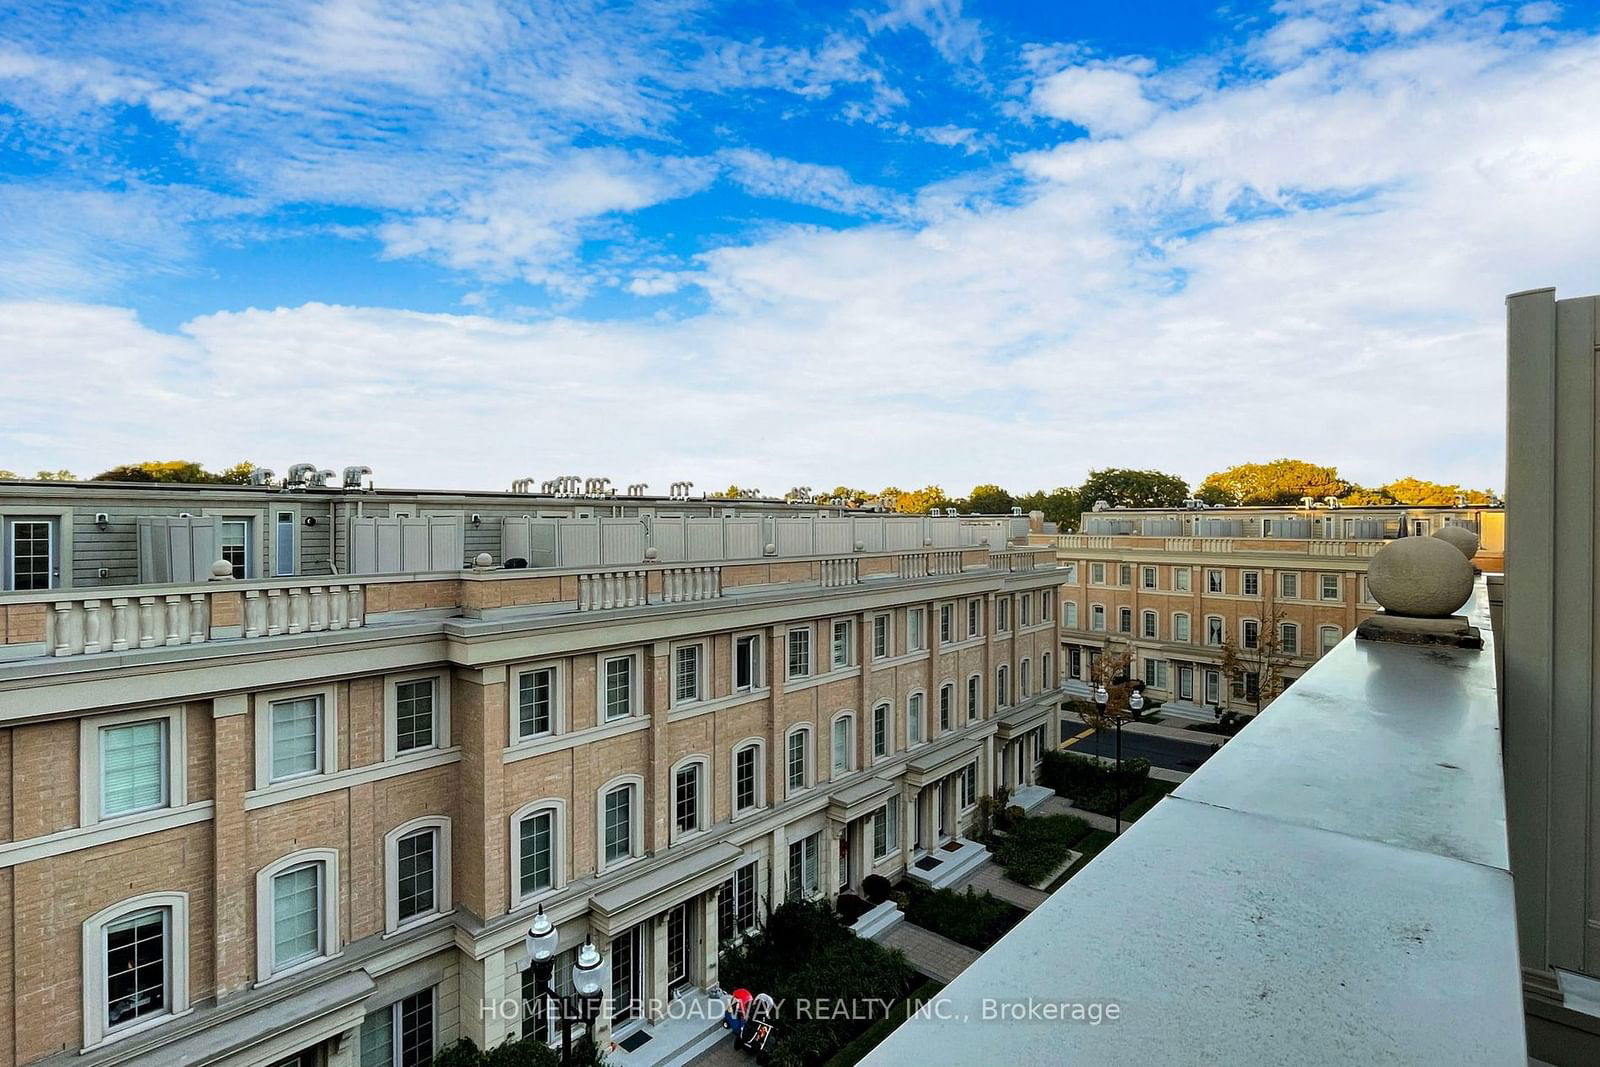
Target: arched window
[749, 776]
[947, 707]
[691, 786]
[798, 773]
[882, 731]
[974, 697]
[916, 727]
[135, 966]
[619, 825]
[1327, 638]
[538, 846]
[297, 912]
[843, 744]
[1002, 686]
[417, 872]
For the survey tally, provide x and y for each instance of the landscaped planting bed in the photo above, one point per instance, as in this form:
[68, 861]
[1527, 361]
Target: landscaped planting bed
[976, 920]
[1037, 846]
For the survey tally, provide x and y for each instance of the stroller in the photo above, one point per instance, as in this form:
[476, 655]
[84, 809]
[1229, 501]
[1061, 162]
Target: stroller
[751, 1020]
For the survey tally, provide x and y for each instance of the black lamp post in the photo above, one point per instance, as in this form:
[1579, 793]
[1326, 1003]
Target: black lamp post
[590, 975]
[1135, 705]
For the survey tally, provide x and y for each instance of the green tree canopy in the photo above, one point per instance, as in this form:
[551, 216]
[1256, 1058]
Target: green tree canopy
[1281, 481]
[1419, 492]
[42, 476]
[989, 500]
[176, 470]
[1061, 505]
[918, 501]
[1133, 488]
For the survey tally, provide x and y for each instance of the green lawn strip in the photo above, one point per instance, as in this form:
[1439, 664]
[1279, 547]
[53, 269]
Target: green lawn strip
[857, 1050]
[1036, 846]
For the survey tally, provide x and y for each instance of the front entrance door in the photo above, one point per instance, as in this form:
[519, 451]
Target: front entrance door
[943, 795]
[627, 975]
[1185, 683]
[680, 948]
[844, 863]
[1213, 688]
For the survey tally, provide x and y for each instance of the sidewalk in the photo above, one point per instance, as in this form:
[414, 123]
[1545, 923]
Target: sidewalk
[931, 954]
[991, 879]
[1059, 806]
[1173, 733]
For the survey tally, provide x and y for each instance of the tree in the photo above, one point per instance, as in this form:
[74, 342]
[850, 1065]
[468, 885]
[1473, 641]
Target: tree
[843, 496]
[1359, 496]
[41, 476]
[1434, 494]
[1062, 506]
[917, 501]
[989, 500]
[1259, 669]
[1112, 669]
[1133, 488]
[1281, 481]
[176, 470]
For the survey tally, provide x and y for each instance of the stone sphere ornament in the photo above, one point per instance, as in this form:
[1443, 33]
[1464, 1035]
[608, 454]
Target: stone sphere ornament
[1420, 577]
[1461, 537]
[222, 569]
[483, 561]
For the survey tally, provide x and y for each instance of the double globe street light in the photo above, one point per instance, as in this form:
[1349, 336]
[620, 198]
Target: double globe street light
[1102, 700]
[591, 974]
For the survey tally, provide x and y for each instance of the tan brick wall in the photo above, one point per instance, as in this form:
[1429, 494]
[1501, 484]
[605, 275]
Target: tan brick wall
[22, 623]
[45, 778]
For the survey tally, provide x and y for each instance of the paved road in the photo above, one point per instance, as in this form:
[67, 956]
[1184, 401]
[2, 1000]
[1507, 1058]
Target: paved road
[1165, 752]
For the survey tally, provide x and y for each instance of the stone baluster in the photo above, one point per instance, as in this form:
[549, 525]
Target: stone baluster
[124, 634]
[337, 610]
[356, 605]
[317, 609]
[255, 613]
[199, 618]
[152, 625]
[177, 619]
[96, 628]
[297, 611]
[277, 612]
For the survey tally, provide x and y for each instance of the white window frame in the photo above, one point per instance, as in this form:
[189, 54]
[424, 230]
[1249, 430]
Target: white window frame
[1188, 633]
[278, 527]
[96, 982]
[1221, 581]
[949, 722]
[60, 549]
[1097, 618]
[248, 523]
[1285, 579]
[329, 738]
[557, 806]
[1024, 679]
[1147, 577]
[1283, 644]
[558, 700]
[635, 822]
[393, 1011]
[1222, 629]
[1047, 681]
[1244, 634]
[916, 629]
[1097, 574]
[1069, 572]
[1246, 578]
[1002, 614]
[702, 664]
[1025, 610]
[1322, 588]
[974, 698]
[809, 770]
[1181, 579]
[441, 713]
[917, 718]
[758, 666]
[974, 617]
[442, 902]
[635, 673]
[886, 621]
[1047, 605]
[702, 799]
[834, 771]
[327, 905]
[1150, 625]
[947, 623]
[1323, 646]
[834, 663]
[887, 707]
[760, 746]
[1002, 686]
[90, 778]
[1069, 614]
[1124, 611]
[810, 665]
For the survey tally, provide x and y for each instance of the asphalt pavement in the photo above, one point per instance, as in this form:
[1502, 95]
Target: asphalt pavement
[1167, 752]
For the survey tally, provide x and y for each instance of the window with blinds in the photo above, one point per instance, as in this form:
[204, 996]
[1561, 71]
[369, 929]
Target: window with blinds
[296, 915]
[537, 834]
[296, 741]
[133, 768]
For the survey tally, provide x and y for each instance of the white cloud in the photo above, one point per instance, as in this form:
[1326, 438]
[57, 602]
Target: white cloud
[815, 184]
[1104, 99]
[956, 38]
[1537, 14]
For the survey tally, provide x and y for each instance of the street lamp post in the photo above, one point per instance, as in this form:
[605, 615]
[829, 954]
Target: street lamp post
[590, 974]
[1135, 705]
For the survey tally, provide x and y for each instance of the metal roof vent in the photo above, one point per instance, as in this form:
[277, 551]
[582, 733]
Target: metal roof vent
[353, 475]
[262, 476]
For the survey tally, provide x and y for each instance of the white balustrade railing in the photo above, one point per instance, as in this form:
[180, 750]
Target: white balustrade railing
[680, 584]
[299, 609]
[611, 589]
[837, 572]
[1025, 559]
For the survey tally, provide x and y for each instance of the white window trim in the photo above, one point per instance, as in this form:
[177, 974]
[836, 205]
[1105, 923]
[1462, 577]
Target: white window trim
[1149, 577]
[950, 606]
[760, 745]
[921, 613]
[972, 714]
[328, 907]
[635, 822]
[1322, 647]
[759, 668]
[1188, 628]
[558, 852]
[850, 762]
[926, 725]
[95, 980]
[1002, 614]
[1222, 636]
[1002, 686]
[60, 546]
[441, 713]
[1069, 572]
[702, 800]
[558, 701]
[872, 729]
[1222, 581]
[849, 646]
[1097, 568]
[1289, 575]
[1147, 617]
[442, 902]
[1245, 574]
[702, 668]
[1338, 588]
[1102, 618]
[330, 734]
[1299, 648]
[810, 775]
[956, 712]
[1187, 583]
[811, 653]
[888, 635]
[1024, 679]
[1242, 625]
[89, 776]
[635, 674]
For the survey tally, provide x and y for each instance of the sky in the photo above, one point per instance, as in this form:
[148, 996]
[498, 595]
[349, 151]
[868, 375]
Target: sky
[780, 243]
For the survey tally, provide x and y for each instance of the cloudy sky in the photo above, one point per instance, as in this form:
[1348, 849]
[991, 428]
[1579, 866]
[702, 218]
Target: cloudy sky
[780, 242]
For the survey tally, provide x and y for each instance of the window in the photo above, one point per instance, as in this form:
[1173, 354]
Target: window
[736, 904]
[284, 529]
[688, 783]
[298, 737]
[1366, 592]
[1180, 627]
[947, 700]
[234, 538]
[1074, 662]
[974, 617]
[800, 652]
[803, 865]
[297, 911]
[798, 759]
[1002, 686]
[1002, 614]
[1069, 572]
[1047, 603]
[416, 714]
[687, 683]
[618, 838]
[946, 623]
[747, 777]
[880, 731]
[974, 696]
[1047, 674]
[747, 663]
[1213, 581]
[30, 554]
[1069, 614]
[880, 636]
[400, 1035]
[1180, 579]
[1289, 585]
[1327, 638]
[538, 695]
[1155, 673]
[1250, 583]
[1330, 587]
[1124, 574]
[969, 785]
[1250, 633]
[1289, 638]
[1125, 620]
[914, 726]
[1027, 609]
[1097, 574]
[886, 830]
[135, 965]
[1147, 577]
[842, 745]
[1097, 618]
[619, 686]
[916, 629]
[1149, 627]
[1024, 679]
[1214, 631]
[841, 643]
[533, 835]
[135, 768]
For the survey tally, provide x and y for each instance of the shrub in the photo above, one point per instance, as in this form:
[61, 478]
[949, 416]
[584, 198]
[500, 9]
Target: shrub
[876, 888]
[515, 1053]
[1038, 846]
[1090, 784]
[851, 907]
[975, 921]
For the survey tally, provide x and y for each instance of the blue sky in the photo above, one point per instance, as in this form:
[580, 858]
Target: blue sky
[885, 242]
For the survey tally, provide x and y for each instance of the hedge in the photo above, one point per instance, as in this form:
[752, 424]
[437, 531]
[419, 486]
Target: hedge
[1037, 846]
[1092, 785]
[520, 1053]
[975, 921]
[873, 1036]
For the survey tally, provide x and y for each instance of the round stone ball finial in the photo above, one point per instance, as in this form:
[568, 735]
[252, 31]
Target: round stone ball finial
[1461, 537]
[770, 550]
[861, 546]
[651, 553]
[1420, 578]
[927, 542]
[222, 569]
[483, 561]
